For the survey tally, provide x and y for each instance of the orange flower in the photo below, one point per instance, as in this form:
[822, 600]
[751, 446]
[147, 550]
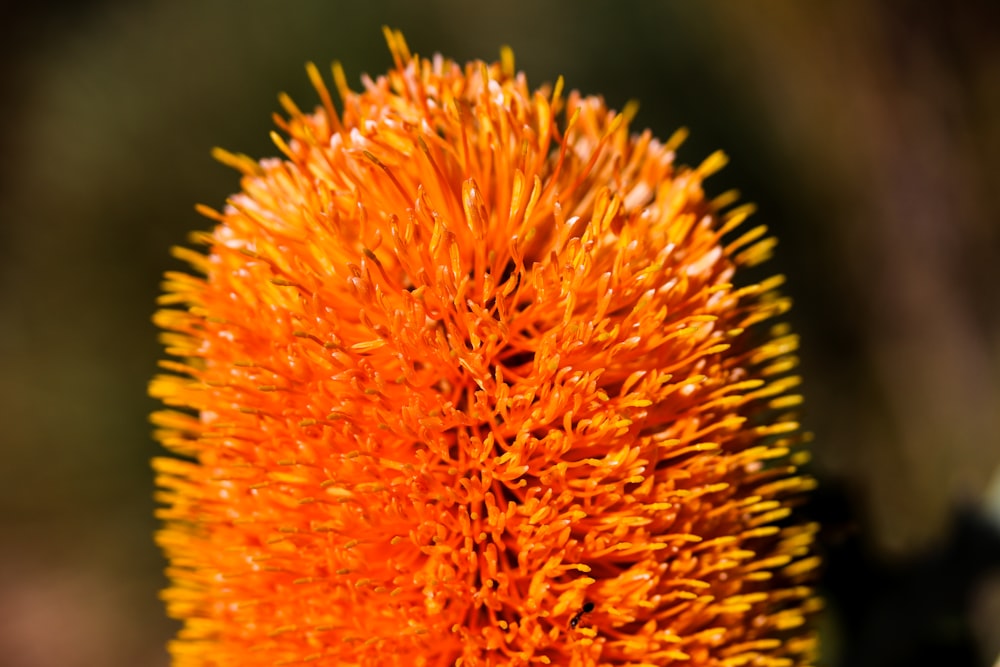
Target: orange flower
[472, 385]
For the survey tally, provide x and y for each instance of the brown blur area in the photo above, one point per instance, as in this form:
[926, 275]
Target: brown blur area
[866, 132]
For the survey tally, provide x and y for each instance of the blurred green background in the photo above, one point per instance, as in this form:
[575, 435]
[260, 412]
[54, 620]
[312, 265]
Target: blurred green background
[867, 132]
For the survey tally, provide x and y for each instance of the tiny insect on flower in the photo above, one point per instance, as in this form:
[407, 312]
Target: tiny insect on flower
[585, 609]
[466, 355]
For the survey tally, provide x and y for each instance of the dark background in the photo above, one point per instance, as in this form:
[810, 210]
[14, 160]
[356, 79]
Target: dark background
[867, 132]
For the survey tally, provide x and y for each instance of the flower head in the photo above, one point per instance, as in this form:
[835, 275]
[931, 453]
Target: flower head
[465, 380]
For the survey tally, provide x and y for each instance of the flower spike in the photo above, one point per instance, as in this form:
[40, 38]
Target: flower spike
[467, 376]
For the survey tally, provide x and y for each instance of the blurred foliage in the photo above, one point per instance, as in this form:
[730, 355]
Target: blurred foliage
[865, 131]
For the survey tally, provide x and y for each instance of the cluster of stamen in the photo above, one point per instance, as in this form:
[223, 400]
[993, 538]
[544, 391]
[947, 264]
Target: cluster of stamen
[472, 385]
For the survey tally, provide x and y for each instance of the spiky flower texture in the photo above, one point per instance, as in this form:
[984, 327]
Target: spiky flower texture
[465, 380]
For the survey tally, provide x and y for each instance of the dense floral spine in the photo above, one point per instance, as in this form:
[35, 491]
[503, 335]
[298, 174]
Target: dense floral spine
[464, 379]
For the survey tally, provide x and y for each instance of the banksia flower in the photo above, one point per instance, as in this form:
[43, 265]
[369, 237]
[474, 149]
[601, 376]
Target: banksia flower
[464, 379]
